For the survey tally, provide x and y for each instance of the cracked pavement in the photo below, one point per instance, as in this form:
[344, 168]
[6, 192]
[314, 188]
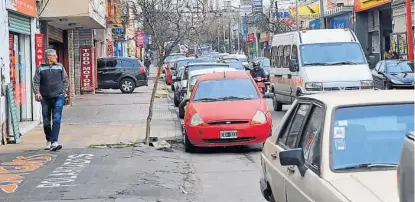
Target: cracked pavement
[130, 174]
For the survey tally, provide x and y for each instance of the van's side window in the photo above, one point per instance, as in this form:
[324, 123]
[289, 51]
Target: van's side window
[287, 53]
[280, 56]
[294, 53]
[274, 56]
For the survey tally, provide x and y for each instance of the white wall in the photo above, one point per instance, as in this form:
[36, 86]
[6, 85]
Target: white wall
[37, 108]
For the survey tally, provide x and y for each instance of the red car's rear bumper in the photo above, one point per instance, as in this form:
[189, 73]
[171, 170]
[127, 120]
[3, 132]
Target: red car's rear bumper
[209, 135]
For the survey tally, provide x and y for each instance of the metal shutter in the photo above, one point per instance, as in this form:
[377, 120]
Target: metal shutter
[19, 23]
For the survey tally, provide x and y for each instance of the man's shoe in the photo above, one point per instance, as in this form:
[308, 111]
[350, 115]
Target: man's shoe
[55, 147]
[48, 145]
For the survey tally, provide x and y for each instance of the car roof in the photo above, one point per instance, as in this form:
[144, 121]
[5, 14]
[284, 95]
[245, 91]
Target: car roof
[121, 58]
[211, 70]
[207, 64]
[234, 56]
[221, 75]
[180, 59]
[363, 97]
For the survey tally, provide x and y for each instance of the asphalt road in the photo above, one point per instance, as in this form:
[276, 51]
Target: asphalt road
[229, 174]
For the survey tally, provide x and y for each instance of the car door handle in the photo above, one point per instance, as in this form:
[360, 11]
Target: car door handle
[291, 169]
[274, 156]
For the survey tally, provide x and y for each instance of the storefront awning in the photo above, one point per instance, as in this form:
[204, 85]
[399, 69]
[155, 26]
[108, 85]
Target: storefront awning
[338, 11]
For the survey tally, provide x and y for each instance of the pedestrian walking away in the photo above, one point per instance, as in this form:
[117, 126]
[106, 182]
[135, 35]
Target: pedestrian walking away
[49, 85]
[147, 63]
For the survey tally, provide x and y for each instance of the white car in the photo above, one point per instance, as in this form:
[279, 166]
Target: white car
[336, 147]
[241, 58]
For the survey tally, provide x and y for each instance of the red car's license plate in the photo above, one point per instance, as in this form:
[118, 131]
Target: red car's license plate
[232, 134]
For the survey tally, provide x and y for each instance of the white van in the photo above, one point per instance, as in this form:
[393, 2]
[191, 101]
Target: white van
[316, 61]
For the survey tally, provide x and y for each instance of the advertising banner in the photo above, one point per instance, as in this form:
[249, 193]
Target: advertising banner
[314, 24]
[244, 26]
[140, 38]
[257, 6]
[39, 49]
[362, 5]
[86, 56]
[110, 48]
[251, 37]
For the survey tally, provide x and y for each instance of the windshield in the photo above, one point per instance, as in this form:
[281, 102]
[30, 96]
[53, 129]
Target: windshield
[370, 134]
[172, 57]
[182, 63]
[241, 88]
[399, 66]
[266, 63]
[332, 53]
[236, 64]
[243, 59]
[197, 60]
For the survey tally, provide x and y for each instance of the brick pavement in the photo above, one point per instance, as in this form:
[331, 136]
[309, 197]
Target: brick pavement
[109, 117]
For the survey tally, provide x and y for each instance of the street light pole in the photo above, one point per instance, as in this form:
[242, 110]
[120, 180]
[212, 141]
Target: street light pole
[321, 11]
[409, 31]
[296, 15]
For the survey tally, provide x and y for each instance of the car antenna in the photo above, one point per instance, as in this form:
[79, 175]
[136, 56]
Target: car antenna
[224, 73]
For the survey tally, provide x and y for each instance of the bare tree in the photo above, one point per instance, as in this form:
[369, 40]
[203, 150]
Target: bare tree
[169, 22]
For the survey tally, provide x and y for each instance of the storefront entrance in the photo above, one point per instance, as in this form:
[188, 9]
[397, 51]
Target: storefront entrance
[20, 74]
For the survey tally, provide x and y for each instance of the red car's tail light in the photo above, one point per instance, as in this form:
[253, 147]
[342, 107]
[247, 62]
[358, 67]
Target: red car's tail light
[142, 69]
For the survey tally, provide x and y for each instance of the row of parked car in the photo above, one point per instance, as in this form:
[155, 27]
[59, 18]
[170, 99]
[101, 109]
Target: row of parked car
[339, 146]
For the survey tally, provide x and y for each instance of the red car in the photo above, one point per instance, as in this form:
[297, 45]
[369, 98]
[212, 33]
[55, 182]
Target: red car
[226, 109]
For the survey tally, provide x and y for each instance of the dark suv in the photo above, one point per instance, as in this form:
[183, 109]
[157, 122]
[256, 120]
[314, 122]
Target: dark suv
[120, 72]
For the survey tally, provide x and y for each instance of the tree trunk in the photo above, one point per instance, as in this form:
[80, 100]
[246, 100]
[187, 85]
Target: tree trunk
[153, 94]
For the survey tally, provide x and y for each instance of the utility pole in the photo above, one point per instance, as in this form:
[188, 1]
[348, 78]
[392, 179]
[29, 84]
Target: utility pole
[409, 31]
[297, 22]
[230, 34]
[322, 21]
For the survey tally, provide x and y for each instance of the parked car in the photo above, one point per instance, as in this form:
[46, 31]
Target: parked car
[336, 147]
[172, 56]
[180, 91]
[227, 125]
[241, 58]
[235, 64]
[194, 75]
[393, 74]
[121, 73]
[406, 170]
[176, 81]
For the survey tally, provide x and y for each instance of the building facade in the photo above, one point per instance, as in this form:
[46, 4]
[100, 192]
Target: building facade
[373, 26]
[399, 33]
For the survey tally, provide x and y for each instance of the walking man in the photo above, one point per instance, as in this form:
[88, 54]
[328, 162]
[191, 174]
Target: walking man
[147, 63]
[49, 85]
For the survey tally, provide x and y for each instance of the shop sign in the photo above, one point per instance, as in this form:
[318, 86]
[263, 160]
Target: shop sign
[362, 5]
[264, 36]
[86, 69]
[26, 7]
[251, 37]
[39, 49]
[139, 38]
[314, 24]
[110, 48]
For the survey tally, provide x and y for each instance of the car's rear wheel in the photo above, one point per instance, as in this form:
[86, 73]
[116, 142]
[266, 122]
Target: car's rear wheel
[127, 85]
[188, 146]
[176, 101]
[181, 112]
[277, 105]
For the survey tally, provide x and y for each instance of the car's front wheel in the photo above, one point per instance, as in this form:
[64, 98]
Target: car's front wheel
[181, 112]
[127, 85]
[277, 105]
[176, 100]
[188, 146]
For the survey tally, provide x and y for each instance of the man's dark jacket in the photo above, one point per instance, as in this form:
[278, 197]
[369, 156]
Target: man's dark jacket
[50, 80]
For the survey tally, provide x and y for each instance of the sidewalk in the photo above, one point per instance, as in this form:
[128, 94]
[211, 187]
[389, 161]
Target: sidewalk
[109, 117]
